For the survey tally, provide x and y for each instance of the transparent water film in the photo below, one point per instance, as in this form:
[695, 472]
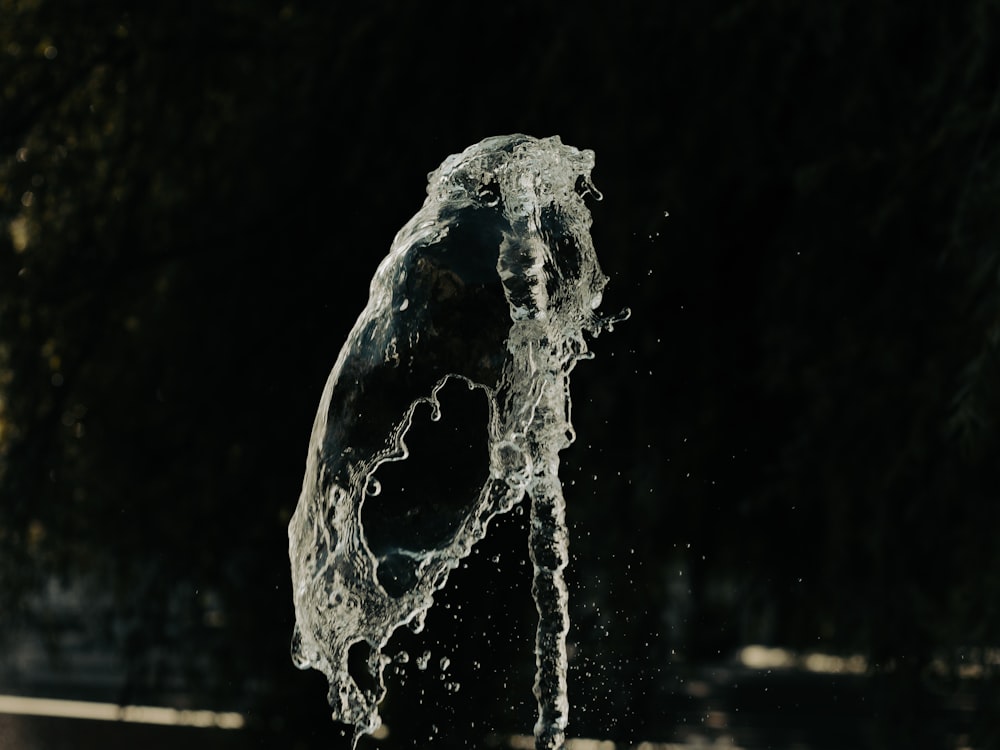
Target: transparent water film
[488, 290]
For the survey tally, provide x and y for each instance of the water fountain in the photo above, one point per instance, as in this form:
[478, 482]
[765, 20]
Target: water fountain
[492, 284]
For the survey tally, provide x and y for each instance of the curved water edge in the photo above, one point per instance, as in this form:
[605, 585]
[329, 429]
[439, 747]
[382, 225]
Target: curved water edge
[491, 284]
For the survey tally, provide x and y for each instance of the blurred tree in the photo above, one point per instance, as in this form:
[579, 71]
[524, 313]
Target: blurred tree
[135, 222]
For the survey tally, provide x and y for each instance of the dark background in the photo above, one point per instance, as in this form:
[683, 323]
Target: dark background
[793, 442]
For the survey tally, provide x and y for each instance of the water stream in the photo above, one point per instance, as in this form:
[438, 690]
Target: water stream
[490, 287]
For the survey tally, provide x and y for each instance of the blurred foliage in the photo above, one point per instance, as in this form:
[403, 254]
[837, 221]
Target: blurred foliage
[793, 441]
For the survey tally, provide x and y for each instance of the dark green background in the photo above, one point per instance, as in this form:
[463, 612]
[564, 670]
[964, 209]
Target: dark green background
[799, 421]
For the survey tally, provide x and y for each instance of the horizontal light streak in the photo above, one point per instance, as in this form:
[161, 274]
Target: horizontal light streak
[526, 742]
[66, 709]
[762, 657]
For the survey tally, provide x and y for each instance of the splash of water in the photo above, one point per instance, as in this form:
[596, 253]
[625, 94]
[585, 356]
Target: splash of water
[491, 284]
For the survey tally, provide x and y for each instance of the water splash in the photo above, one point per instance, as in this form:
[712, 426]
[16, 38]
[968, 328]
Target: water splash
[491, 284]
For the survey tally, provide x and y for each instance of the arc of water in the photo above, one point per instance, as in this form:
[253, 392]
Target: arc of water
[500, 250]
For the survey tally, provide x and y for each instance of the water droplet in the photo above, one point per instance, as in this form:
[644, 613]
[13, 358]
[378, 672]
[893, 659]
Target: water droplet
[423, 660]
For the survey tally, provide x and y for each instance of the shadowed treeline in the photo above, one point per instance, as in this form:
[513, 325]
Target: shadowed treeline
[792, 442]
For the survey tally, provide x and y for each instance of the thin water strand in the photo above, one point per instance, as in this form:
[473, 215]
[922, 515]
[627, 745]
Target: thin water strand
[549, 548]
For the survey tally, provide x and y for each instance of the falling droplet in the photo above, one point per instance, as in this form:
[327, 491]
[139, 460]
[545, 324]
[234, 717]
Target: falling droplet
[423, 660]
